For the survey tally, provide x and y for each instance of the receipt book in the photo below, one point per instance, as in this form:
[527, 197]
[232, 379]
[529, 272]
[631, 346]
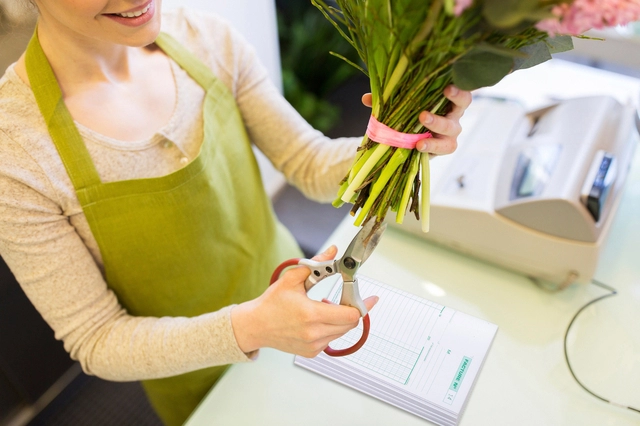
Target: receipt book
[420, 356]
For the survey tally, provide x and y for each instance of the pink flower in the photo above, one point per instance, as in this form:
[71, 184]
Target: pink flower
[461, 5]
[583, 15]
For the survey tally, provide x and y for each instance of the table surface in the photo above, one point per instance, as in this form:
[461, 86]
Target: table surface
[525, 379]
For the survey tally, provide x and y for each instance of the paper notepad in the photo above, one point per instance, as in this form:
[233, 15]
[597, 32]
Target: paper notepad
[420, 356]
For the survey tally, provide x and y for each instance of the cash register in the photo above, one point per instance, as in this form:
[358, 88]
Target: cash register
[533, 191]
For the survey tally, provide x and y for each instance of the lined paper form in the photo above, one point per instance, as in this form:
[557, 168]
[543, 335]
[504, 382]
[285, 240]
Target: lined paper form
[420, 356]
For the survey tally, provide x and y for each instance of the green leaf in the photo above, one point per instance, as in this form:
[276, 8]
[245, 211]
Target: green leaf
[480, 69]
[541, 51]
[537, 53]
[501, 50]
[508, 13]
[560, 44]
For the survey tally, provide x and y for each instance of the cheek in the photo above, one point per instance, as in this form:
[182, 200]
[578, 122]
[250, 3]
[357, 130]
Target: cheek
[83, 9]
[73, 13]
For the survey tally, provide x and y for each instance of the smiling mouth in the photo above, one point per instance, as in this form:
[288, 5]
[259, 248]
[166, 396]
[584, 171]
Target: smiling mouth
[133, 14]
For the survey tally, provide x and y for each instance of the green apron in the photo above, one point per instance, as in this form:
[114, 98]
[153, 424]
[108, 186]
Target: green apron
[192, 242]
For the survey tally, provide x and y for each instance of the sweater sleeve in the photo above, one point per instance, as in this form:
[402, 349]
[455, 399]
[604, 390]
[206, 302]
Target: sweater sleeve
[312, 162]
[63, 281]
[309, 160]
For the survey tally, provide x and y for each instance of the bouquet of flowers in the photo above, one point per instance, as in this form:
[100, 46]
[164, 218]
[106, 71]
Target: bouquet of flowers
[413, 49]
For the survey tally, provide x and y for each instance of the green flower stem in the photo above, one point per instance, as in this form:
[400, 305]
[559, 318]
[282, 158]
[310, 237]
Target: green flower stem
[357, 165]
[397, 159]
[410, 58]
[360, 177]
[397, 74]
[437, 107]
[425, 195]
[408, 187]
[403, 62]
[337, 203]
[388, 195]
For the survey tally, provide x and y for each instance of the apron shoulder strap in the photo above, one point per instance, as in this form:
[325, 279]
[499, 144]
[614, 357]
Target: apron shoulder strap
[62, 129]
[187, 60]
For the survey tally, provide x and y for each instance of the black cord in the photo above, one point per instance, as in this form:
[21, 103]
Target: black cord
[613, 292]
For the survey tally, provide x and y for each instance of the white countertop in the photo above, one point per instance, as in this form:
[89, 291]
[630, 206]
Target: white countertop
[524, 381]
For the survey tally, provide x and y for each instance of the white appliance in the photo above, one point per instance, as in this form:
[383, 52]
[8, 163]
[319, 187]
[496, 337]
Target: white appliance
[533, 191]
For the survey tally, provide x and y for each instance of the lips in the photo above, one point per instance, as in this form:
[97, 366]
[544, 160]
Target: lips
[134, 17]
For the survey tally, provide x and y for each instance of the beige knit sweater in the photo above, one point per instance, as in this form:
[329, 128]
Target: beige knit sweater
[47, 243]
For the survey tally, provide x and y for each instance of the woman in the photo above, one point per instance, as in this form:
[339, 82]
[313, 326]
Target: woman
[131, 207]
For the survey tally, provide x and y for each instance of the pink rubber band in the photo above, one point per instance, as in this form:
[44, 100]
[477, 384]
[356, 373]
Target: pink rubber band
[380, 133]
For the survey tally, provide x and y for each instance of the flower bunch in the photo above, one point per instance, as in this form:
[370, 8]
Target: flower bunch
[578, 16]
[413, 49]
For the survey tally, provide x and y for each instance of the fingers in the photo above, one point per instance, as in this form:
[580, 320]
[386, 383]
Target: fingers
[367, 100]
[332, 332]
[340, 315]
[370, 302]
[461, 99]
[443, 126]
[445, 129]
[328, 254]
[445, 132]
[314, 348]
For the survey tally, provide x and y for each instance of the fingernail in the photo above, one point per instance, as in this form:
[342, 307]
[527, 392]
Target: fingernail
[328, 250]
[428, 119]
[453, 91]
[423, 146]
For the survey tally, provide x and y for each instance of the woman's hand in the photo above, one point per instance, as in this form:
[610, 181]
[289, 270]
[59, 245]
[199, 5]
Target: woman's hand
[284, 317]
[445, 129]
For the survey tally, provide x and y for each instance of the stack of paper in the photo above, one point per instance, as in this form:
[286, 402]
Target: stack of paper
[420, 356]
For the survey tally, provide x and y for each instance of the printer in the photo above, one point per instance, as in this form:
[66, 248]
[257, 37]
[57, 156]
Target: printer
[533, 191]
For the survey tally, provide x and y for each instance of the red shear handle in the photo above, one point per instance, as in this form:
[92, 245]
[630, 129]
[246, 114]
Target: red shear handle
[348, 351]
[366, 323]
[276, 274]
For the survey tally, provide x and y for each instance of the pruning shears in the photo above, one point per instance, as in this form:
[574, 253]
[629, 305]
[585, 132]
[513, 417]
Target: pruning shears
[347, 266]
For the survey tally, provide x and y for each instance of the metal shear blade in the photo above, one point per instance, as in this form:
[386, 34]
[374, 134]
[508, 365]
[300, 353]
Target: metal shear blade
[356, 254]
[361, 248]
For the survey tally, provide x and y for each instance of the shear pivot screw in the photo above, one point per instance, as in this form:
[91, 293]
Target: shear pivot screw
[349, 263]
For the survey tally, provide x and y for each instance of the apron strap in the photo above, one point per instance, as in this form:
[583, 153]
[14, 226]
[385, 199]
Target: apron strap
[187, 60]
[65, 135]
[62, 129]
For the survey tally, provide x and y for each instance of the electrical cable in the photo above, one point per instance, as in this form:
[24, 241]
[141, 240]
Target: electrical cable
[613, 292]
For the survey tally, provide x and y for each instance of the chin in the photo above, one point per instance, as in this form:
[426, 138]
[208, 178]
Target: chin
[143, 37]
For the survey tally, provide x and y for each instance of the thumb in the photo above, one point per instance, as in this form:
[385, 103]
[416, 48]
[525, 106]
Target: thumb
[367, 100]
[328, 254]
[296, 276]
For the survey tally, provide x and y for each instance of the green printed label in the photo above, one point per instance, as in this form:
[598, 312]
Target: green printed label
[462, 370]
